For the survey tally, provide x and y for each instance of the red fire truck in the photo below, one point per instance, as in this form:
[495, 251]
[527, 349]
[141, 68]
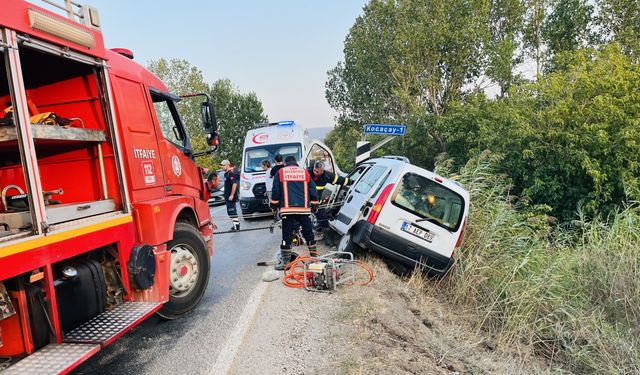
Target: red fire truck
[104, 218]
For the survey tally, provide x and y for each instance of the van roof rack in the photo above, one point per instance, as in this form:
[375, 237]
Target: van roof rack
[396, 157]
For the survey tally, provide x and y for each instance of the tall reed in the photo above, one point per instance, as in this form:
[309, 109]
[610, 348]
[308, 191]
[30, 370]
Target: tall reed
[570, 292]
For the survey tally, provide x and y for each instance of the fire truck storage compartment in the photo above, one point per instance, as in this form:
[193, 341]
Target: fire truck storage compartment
[30, 328]
[76, 162]
[81, 292]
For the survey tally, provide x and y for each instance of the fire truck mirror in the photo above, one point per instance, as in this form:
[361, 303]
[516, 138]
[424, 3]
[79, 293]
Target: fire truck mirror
[209, 120]
[213, 139]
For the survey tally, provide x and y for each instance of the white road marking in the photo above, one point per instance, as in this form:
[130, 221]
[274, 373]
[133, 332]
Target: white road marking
[226, 358]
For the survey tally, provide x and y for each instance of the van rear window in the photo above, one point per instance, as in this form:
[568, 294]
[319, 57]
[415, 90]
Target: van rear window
[430, 200]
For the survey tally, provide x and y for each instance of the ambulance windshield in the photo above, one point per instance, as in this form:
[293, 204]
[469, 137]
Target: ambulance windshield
[255, 155]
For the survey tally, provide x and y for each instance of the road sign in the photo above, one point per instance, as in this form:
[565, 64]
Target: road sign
[385, 129]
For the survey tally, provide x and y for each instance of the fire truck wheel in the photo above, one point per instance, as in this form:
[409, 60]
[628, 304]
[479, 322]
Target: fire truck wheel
[189, 272]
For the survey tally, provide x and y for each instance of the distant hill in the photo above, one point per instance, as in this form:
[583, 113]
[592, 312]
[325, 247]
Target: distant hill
[319, 133]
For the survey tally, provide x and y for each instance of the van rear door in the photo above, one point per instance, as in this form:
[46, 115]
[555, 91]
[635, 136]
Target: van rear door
[358, 195]
[318, 151]
[424, 210]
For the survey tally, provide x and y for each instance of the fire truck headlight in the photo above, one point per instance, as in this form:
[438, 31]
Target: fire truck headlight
[244, 185]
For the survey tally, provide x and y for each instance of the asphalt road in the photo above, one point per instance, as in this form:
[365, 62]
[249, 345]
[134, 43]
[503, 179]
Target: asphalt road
[190, 345]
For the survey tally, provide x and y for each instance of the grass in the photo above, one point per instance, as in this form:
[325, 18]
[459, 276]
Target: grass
[569, 293]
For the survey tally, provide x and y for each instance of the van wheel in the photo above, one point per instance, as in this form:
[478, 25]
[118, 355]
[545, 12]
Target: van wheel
[331, 237]
[346, 244]
[189, 271]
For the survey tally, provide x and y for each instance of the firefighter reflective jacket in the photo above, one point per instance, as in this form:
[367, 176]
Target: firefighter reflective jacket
[293, 190]
[327, 178]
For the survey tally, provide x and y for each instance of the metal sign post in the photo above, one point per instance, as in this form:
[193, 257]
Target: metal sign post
[364, 148]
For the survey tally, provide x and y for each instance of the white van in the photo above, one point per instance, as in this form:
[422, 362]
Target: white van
[265, 142]
[403, 212]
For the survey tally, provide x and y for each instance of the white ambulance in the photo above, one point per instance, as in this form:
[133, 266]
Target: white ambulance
[284, 138]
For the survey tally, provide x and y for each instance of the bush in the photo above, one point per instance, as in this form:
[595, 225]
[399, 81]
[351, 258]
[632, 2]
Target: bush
[571, 294]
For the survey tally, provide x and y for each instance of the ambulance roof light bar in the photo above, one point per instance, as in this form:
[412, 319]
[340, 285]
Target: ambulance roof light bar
[279, 123]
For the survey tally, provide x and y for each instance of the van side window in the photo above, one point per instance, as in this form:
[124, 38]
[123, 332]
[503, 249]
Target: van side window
[318, 153]
[368, 181]
[383, 182]
[356, 173]
[166, 114]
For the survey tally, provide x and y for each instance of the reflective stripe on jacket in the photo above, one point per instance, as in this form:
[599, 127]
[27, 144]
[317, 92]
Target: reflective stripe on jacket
[293, 190]
[327, 178]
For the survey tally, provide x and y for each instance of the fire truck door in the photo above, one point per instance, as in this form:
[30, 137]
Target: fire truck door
[180, 171]
[140, 140]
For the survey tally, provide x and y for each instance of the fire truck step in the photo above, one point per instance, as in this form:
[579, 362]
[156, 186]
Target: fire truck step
[53, 359]
[111, 324]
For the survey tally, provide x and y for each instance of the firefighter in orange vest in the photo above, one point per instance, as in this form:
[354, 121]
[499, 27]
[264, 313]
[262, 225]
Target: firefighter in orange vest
[321, 177]
[295, 195]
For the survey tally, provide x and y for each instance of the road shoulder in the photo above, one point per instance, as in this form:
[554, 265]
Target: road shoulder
[290, 333]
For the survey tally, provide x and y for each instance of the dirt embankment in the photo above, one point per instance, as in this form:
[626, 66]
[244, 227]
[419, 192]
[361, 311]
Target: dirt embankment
[394, 327]
[389, 327]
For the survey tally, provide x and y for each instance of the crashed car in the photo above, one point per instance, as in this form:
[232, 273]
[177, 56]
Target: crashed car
[403, 212]
[216, 197]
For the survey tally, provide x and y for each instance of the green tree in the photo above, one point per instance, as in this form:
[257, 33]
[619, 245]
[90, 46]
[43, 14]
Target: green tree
[567, 26]
[408, 62]
[506, 19]
[621, 20]
[236, 112]
[568, 140]
[533, 42]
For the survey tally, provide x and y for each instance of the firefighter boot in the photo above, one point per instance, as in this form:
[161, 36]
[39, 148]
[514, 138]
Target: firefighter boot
[285, 257]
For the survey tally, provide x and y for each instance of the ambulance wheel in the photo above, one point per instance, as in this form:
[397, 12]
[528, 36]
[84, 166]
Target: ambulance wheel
[189, 271]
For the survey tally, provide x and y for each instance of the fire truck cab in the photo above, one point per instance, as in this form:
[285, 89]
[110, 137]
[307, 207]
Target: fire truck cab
[104, 217]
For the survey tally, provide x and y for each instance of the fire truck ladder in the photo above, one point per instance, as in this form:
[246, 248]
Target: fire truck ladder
[84, 341]
[83, 14]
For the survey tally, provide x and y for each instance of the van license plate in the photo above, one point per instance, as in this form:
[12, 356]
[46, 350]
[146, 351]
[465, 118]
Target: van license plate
[427, 236]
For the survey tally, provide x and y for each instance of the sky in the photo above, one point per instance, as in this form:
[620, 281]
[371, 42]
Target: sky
[279, 49]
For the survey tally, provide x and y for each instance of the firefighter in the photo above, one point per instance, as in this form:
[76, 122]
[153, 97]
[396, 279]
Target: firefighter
[295, 195]
[213, 182]
[231, 191]
[322, 177]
